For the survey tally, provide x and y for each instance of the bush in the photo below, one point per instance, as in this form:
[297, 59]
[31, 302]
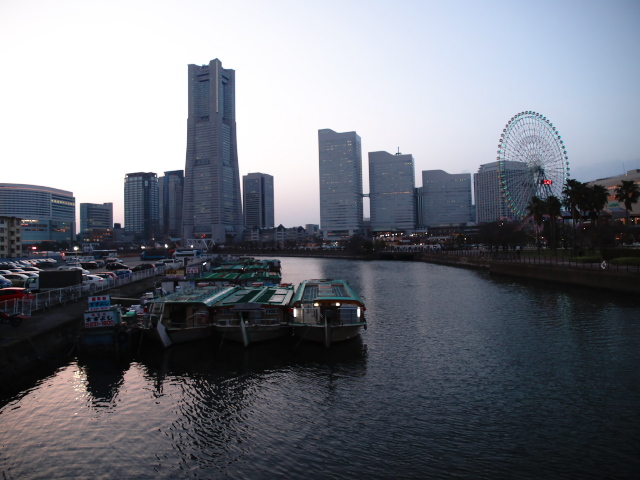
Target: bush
[631, 261]
[612, 253]
[588, 259]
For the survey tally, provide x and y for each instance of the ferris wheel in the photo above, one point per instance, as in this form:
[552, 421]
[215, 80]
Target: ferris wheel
[532, 161]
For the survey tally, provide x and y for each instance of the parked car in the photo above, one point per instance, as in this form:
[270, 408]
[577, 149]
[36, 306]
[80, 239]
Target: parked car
[143, 266]
[4, 282]
[89, 265]
[92, 282]
[18, 279]
[116, 266]
[123, 273]
[109, 277]
[8, 296]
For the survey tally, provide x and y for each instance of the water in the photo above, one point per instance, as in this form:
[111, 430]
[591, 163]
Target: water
[459, 375]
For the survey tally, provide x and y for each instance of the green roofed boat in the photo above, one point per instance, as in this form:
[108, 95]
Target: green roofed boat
[186, 315]
[327, 311]
[254, 314]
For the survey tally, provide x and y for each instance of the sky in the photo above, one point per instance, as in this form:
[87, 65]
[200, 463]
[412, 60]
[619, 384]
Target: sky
[93, 90]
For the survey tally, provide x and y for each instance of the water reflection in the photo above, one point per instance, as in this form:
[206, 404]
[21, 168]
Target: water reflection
[459, 374]
[101, 380]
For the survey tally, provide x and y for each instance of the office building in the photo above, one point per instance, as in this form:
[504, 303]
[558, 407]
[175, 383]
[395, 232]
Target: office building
[340, 156]
[47, 214]
[170, 192]
[257, 193]
[446, 198]
[141, 206]
[94, 216]
[491, 204]
[212, 206]
[392, 193]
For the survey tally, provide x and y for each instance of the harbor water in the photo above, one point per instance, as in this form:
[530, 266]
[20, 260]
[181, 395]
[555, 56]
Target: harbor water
[459, 374]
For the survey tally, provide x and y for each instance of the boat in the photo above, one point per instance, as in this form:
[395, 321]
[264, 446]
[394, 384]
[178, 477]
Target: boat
[327, 311]
[254, 314]
[184, 316]
[105, 328]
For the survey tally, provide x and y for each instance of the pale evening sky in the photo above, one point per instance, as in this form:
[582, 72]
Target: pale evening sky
[93, 90]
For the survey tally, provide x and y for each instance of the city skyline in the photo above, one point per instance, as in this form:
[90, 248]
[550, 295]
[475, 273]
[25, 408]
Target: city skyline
[444, 91]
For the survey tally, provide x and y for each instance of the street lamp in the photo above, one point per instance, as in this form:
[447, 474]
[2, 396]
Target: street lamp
[76, 250]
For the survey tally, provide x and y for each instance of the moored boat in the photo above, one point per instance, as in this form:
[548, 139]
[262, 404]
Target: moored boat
[254, 314]
[327, 311]
[184, 316]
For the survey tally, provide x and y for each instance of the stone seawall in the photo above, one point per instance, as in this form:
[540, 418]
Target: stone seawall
[48, 335]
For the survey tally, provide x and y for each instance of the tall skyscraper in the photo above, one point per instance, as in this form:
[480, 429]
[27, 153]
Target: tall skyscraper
[141, 206]
[170, 192]
[391, 192]
[257, 192]
[340, 183]
[212, 206]
[446, 198]
[491, 204]
[47, 213]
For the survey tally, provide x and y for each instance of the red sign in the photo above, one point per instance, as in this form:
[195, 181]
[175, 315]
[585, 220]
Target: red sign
[547, 182]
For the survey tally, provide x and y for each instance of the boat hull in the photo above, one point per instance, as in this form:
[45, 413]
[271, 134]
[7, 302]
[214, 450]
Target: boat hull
[319, 334]
[189, 334]
[252, 333]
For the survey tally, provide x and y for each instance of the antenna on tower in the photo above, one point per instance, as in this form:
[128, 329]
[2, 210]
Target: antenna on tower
[398, 151]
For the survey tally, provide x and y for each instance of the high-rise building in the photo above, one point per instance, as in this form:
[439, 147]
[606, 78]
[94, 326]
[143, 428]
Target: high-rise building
[212, 206]
[95, 216]
[96, 221]
[170, 192]
[257, 192]
[391, 192]
[47, 214]
[491, 204]
[446, 198]
[141, 206]
[340, 183]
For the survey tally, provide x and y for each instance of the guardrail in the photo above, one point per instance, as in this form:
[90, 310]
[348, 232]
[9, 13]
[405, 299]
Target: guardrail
[60, 296]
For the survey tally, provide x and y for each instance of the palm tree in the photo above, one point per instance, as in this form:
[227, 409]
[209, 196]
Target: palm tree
[574, 200]
[628, 193]
[554, 208]
[596, 198]
[536, 209]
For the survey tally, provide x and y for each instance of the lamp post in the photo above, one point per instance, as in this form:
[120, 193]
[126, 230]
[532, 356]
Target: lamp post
[76, 250]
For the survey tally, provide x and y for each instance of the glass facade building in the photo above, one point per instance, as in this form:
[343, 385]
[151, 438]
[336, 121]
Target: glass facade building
[257, 192]
[392, 192]
[47, 214]
[170, 191]
[341, 211]
[212, 207]
[446, 198]
[491, 204]
[141, 206]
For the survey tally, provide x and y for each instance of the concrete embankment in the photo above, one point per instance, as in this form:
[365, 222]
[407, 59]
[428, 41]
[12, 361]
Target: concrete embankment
[569, 274]
[603, 279]
[48, 335]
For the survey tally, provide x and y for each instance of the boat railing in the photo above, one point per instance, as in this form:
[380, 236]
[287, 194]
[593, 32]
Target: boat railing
[344, 315]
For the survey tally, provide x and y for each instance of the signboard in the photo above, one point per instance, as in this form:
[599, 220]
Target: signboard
[193, 270]
[547, 182]
[107, 318]
[99, 302]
